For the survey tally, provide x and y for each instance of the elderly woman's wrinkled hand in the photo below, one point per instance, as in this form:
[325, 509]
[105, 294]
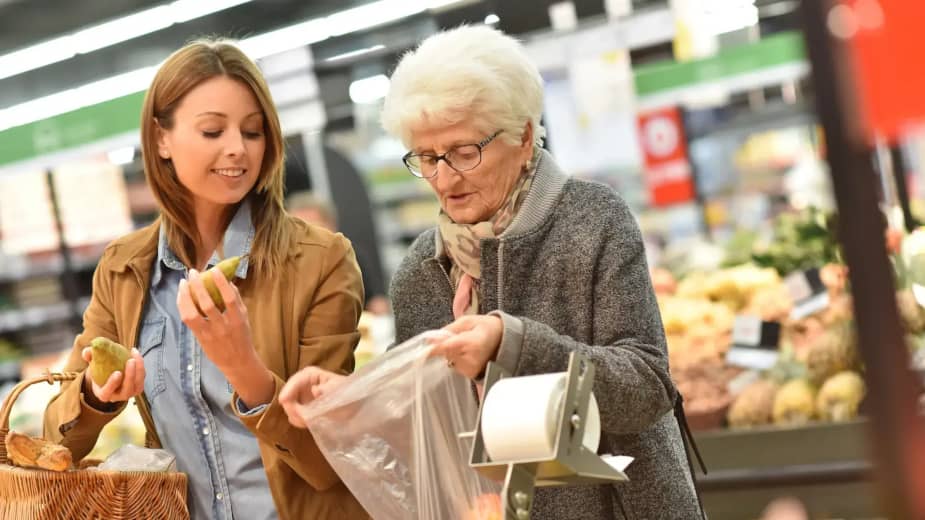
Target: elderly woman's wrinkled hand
[474, 343]
[305, 386]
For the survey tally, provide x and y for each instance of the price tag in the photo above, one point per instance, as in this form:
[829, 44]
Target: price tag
[809, 294]
[754, 343]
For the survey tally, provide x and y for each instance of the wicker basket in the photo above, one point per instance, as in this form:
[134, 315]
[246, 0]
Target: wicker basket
[80, 493]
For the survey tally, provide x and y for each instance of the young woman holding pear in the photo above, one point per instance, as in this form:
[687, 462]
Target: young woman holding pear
[211, 355]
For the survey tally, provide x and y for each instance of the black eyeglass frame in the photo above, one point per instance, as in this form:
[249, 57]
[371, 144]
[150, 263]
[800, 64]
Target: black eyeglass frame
[442, 157]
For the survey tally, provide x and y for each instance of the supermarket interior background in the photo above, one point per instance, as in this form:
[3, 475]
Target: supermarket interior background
[716, 120]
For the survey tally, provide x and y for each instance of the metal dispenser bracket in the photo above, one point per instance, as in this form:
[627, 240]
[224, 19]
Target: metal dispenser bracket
[572, 463]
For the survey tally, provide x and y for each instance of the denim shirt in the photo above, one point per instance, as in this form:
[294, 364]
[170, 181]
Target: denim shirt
[191, 398]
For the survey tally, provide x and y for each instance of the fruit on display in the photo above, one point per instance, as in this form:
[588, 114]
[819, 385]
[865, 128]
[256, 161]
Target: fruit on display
[705, 389]
[835, 352]
[802, 240]
[696, 330]
[663, 282]
[108, 357]
[840, 396]
[733, 287]
[226, 268]
[794, 404]
[911, 313]
[754, 406]
[31, 452]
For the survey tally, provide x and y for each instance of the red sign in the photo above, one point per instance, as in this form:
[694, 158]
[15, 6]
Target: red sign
[668, 172]
[886, 39]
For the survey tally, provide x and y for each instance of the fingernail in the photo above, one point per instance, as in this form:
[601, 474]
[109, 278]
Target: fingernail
[134, 351]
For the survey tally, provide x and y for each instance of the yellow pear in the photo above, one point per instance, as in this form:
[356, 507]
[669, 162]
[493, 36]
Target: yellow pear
[108, 357]
[227, 268]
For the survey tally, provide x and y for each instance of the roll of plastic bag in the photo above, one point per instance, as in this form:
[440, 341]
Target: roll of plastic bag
[520, 418]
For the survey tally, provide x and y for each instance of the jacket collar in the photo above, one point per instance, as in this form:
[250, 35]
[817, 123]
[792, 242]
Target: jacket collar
[237, 241]
[548, 183]
[138, 250]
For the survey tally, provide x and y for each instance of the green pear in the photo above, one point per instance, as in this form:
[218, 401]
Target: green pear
[108, 357]
[227, 268]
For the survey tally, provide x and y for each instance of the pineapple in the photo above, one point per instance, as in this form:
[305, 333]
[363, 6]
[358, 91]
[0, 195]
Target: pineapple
[835, 351]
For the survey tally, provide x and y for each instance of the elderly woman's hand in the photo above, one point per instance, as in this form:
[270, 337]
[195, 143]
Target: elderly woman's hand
[305, 386]
[474, 343]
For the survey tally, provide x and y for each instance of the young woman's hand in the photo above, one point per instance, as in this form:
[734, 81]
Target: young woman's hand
[119, 387]
[305, 386]
[225, 337]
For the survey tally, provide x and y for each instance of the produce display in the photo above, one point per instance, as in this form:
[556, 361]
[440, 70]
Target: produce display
[817, 375]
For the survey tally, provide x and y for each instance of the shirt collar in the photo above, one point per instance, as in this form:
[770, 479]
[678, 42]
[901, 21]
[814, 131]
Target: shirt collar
[238, 239]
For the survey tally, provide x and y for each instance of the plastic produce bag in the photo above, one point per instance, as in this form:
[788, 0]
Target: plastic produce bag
[135, 458]
[391, 432]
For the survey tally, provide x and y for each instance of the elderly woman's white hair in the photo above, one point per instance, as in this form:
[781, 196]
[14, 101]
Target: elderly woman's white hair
[473, 73]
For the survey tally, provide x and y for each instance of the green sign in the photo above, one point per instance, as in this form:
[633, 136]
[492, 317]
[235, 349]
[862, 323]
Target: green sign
[778, 49]
[72, 129]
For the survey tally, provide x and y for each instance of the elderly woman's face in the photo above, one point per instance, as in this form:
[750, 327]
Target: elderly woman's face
[473, 196]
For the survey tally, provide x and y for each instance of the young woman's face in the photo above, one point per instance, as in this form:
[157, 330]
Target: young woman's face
[216, 143]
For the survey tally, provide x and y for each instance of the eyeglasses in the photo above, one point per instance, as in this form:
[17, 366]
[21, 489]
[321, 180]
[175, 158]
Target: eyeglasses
[462, 158]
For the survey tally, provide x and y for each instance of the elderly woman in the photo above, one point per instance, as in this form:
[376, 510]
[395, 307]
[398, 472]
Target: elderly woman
[528, 265]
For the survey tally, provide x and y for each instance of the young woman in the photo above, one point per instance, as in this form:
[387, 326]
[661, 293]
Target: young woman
[213, 153]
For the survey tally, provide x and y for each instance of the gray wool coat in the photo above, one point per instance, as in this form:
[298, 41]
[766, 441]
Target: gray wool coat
[569, 274]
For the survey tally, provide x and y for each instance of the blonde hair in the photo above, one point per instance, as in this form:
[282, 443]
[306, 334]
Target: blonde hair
[473, 73]
[183, 71]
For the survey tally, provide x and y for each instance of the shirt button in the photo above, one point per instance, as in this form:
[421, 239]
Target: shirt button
[218, 496]
[205, 431]
[189, 368]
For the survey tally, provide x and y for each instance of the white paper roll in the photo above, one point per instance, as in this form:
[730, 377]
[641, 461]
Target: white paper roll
[519, 418]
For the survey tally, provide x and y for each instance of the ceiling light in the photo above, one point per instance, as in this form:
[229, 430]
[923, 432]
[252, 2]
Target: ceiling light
[186, 10]
[273, 42]
[354, 54]
[368, 90]
[492, 19]
[108, 33]
[260, 46]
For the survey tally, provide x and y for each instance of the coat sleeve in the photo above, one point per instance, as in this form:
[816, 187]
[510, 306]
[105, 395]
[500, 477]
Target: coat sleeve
[632, 383]
[328, 338]
[69, 420]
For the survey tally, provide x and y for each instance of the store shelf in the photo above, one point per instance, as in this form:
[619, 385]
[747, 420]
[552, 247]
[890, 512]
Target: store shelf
[390, 194]
[18, 319]
[825, 465]
[771, 61]
[405, 233]
[51, 268]
[771, 118]
[645, 28]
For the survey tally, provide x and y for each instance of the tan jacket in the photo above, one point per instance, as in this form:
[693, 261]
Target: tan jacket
[306, 315]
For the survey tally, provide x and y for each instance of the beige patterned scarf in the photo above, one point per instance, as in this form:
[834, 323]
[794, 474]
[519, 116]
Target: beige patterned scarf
[463, 246]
